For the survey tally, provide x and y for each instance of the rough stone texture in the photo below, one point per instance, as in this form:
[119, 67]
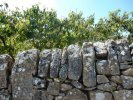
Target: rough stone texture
[102, 67]
[65, 87]
[41, 95]
[102, 79]
[39, 83]
[128, 72]
[100, 95]
[123, 95]
[64, 65]
[123, 50]
[125, 66]
[44, 63]
[116, 79]
[112, 57]
[101, 50]
[127, 82]
[77, 85]
[21, 78]
[75, 62]
[4, 95]
[107, 87]
[5, 67]
[75, 94]
[56, 63]
[53, 88]
[89, 72]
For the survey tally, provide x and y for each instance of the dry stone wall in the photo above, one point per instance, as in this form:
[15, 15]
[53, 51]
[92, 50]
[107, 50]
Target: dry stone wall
[95, 71]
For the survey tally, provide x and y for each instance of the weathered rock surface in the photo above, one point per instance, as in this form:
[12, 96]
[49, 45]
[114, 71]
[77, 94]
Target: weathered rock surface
[77, 85]
[89, 71]
[107, 87]
[56, 63]
[101, 50]
[65, 87]
[127, 82]
[102, 79]
[100, 95]
[21, 78]
[112, 57]
[116, 79]
[102, 67]
[39, 83]
[128, 72]
[123, 95]
[4, 95]
[123, 50]
[53, 88]
[75, 94]
[44, 63]
[75, 62]
[125, 66]
[5, 67]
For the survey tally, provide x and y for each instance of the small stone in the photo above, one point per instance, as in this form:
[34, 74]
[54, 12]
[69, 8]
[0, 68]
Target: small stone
[75, 94]
[107, 87]
[101, 50]
[59, 98]
[53, 88]
[65, 87]
[116, 79]
[44, 63]
[102, 79]
[102, 67]
[63, 72]
[100, 95]
[77, 85]
[4, 95]
[75, 62]
[128, 72]
[89, 71]
[127, 82]
[125, 66]
[89, 89]
[56, 63]
[123, 95]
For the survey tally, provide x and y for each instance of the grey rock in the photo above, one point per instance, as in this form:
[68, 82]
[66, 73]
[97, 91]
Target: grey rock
[116, 79]
[65, 87]
[5, 67]
[41, 95]
[102, 79]
[112, 57]
[128, 72]
[53, 88]
[125, 66]
[101, 50]
[44, 63]
[75, 62]
[59, 98]
[77, 85]
[56, 63]
[127, 82]
[21, 78]
[64, 59]
[89, 71]
[107, 87]
[75, 94]
[102, 67]
[4, 95]
[123, 95]
[39, 83]
[63, 72]
[100, 95]
[123, 50]
[89, 89]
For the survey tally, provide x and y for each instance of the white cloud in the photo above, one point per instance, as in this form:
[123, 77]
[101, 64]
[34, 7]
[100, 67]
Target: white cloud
[50, 4]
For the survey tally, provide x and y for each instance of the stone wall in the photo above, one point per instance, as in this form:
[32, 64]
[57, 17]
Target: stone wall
[95, 71]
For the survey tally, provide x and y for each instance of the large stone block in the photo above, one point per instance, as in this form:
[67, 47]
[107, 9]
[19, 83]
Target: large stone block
[21, 78]
[89, 71]
[101, 50]
[123, 95]
[75, 62]
[55, 63]
[100, 95]
[5, 67]
[75, 94]
[44, 63]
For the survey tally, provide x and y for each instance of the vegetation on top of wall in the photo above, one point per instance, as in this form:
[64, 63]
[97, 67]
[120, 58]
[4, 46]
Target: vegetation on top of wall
[35, 28]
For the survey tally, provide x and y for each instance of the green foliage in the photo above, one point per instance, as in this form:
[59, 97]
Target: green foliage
[35, 28]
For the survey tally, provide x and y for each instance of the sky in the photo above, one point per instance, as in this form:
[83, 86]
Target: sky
[98, 7]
